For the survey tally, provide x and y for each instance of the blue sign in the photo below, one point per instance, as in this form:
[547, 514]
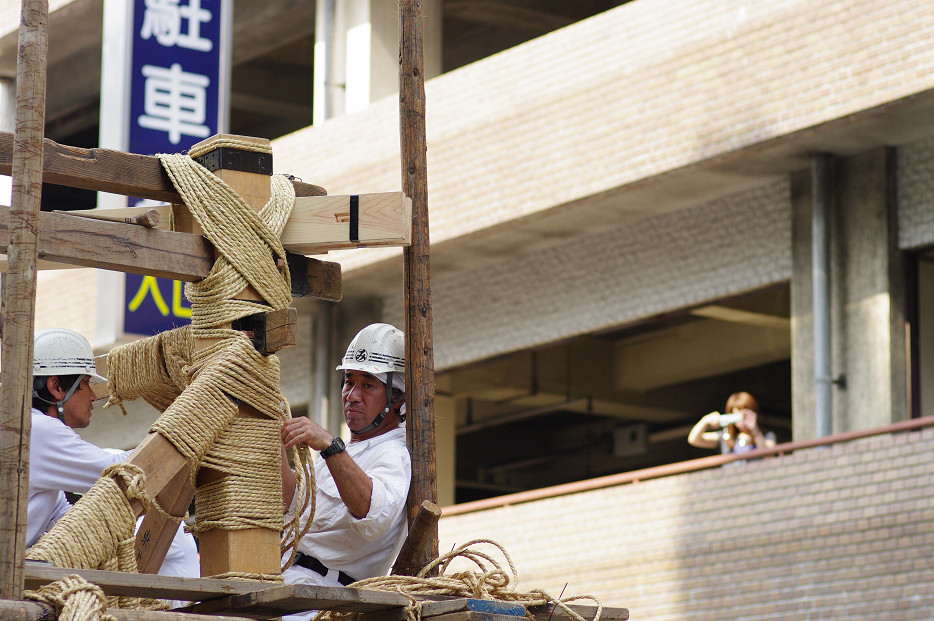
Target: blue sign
[177, 98]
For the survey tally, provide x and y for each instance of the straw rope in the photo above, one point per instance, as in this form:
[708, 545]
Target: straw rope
[490, 582]
[198, 390]
[229, 141]
[74, 599]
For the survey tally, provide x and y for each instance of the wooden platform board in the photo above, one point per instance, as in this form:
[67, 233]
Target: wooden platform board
[261, 600]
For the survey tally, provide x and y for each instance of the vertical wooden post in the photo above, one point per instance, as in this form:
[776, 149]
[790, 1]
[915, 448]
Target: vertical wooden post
[249, 550]
[20, 295]
[420, 379]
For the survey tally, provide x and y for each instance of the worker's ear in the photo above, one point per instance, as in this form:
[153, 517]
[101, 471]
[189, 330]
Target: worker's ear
[54, 387]
[398, 398]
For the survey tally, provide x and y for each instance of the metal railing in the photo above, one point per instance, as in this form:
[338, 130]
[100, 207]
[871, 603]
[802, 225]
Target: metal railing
[680, 467]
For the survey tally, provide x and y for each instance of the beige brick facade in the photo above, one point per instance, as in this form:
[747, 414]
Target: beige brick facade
[845, 532]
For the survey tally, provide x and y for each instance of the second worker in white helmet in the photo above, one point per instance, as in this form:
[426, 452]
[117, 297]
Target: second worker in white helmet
[361, 487]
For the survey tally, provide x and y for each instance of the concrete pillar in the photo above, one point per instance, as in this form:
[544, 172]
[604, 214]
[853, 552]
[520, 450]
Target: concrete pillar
[7, 105]
[802, 309]
[445, 447]
[7, 124]
[357, 53]
[867, 298]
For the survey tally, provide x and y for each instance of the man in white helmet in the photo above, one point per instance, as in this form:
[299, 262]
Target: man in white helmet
[359, 523]
[60, 461]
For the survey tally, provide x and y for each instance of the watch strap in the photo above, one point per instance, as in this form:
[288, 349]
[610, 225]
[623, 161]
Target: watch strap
[336, 446]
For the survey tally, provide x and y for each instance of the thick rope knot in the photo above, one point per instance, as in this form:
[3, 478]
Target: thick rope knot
[74, 599]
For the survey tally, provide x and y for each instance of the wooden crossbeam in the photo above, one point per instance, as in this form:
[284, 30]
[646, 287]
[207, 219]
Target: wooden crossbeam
[317, 224]
[291, 598]
[85, 242]
[105, 170]
[123, 584]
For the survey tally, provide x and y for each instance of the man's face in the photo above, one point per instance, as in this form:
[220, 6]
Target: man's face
[78, 407]
[363, 397]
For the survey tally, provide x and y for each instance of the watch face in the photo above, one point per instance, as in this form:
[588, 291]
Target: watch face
[337, 445]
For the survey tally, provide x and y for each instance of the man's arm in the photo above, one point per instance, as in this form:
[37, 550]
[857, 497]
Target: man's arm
[353, 485]
[63, 461]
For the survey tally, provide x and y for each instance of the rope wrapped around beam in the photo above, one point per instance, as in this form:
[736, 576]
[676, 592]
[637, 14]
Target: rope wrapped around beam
[197, 390]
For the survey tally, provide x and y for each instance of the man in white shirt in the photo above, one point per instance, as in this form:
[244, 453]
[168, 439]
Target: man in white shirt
[359, 523]
[60, 461]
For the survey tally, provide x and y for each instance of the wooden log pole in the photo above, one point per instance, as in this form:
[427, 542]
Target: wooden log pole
[410, 559]
[20, 295]
[420, 379]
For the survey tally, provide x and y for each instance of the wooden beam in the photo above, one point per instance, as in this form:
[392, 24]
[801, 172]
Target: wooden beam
[410, 559]
[12, 610]
[248, 550]
[292, 598]
[106, 170]
[157, 531]
[147, 217]
[85, 242]
[19, 295]
[124, 584]
[317, 224]
[419, 353]
[113, 245]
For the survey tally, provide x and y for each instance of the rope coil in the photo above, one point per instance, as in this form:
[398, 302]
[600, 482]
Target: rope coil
[491, 582]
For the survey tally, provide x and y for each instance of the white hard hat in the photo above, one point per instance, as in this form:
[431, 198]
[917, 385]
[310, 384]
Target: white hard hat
[63, 352]
[378, 348]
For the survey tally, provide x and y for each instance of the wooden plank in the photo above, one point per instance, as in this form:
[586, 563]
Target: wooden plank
[447, 606]
[548, 612]
[317, 223]
[34, 611]
[474, 615]
[106, 170]
[249, 550]
[423, 527]
[136, 585]
[157, 531]
[291, 598]
[138, 250]
[322, 223]
[554, 613]
[113, 245]
[419, 353]
[281, 329]
[19, 294]
[147, 216]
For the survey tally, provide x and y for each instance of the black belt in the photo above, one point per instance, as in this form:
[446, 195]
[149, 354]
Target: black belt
[310, 562]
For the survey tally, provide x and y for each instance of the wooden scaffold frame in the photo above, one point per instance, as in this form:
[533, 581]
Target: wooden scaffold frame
[32, 160]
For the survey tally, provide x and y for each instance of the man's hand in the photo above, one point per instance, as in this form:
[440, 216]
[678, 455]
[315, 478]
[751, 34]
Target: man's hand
[304, 430]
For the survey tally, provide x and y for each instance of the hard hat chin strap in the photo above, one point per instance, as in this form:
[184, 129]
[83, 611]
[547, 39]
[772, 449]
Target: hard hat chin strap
[382, 415]
[59, 405]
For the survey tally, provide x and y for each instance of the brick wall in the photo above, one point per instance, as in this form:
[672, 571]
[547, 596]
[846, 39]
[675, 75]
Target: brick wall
[591, 282]
[845, 532]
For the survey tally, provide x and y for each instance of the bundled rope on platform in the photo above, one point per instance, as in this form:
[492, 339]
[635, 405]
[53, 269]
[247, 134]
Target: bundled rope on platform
[105, 521]
[74, 599]
[491, 582]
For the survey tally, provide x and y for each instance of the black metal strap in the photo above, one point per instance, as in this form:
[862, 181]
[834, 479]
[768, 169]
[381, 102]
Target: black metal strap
[229, 158]
[354, 218]
[310, 562]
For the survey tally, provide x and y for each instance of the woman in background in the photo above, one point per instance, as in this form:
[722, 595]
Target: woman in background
[736, 431]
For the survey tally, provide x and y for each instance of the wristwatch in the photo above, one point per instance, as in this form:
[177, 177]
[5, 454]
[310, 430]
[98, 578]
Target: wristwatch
[337, 445]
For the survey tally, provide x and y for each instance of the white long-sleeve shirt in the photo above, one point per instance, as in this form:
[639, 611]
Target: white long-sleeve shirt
[365, 547]
[60, 461]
